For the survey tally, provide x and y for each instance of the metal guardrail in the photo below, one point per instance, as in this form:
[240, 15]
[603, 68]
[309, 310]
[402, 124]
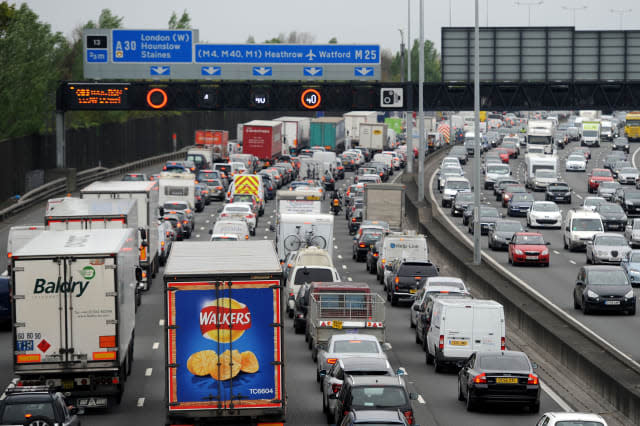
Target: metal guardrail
[59, 186]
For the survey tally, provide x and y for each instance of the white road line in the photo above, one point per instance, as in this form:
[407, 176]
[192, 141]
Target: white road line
[579, 196]
[344, 266]
[268, 222]
[421, 399]
[202, 228]
[271, 217]
[335, 247]
[148, 372]
[572, 261]
[266, 229]
[213, 215]
[349, 279]
[265, 237]
[558, 400]
[161, 323]
[155, 345]
[556, 252]
[207, 221]
[339, 256]
[197, 235]
[141, 402]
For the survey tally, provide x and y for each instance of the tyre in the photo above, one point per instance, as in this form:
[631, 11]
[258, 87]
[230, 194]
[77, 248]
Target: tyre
[564, 240]
[319, 241]
[394, 300]
[39, 421]
[632, 311]
[460, 394]
[585, 308]
[437, 367]
[471, 406]
[534, 408]
[290, 313]
[429, 358]
[417, 338]
[292, 243]
[252, 232]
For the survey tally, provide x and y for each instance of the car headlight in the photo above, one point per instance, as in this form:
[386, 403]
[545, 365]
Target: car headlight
[518, 251]
[634, 271]
[544, 252]
[629, 295]
[592, 295]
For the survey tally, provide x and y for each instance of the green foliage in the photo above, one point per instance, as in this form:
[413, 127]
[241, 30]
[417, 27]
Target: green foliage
[333, 40]
[431, 62]
[251, 40]
[106, 20]
[183, 23]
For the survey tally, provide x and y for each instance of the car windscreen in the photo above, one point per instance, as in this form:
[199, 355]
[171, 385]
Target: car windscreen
[308, 275]
[503, 363]
[371, 237]
[534, 240]
[609, 185]
[378, 397]
[602, 173]
[611, 208]
[413, 269]
[355, 346]
[545, 174]
[578, 423]
[559, 188]
[16, 413]
[243, 209]
[594, 201]
[177, 206]
[464, 196]
[613, 277]
[579, 158]
[457, 184]
[628, 170]
[586, 224]
[610, 240]
[523, 197]
[203, 176]
[545, 207]
[489, 212]
[499, 170]
[509, 226]
[632, 195]
[635, 257]
[450, 171]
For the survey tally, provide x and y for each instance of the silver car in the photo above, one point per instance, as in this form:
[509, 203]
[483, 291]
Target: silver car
[607, 247]
[628, 175]
[343, 345]
[607, 189]
[632, 233]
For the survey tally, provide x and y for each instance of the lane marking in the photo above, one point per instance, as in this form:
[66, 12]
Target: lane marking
[265, 237]
[344, 266]
[339, 256]
[141, 402]
[202, 228]
[556, 398]
[572, 261]
[335, 247]
[197, 235]
[579, 196]
[421, 399]
[349, 279]
[556, 252]
[148, 372]
[155, 345]
[161, 323]
[207, 221]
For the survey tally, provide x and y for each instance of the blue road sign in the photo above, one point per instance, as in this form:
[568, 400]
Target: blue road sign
[363, 71]
[312, 71]
[160, 70]
[288, 54]
[96, 55]
[210, 70]
[262, 71]
[152, 46]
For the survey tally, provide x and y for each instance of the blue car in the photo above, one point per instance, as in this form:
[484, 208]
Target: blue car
[631, 265]
[269, 186]
[520, 204]
[5, 302]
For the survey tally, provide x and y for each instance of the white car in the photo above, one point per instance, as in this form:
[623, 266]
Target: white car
[576, 163]
[544, 214]
[347, 345]
[628, 175]
[448, 170]
[543, 178]
[224, 237]
[590, 203]
[553, 419]
[240, 211]
[239, 228]
[369, 178]
[450, 161]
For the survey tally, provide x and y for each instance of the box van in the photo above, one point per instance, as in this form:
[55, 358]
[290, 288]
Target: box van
[579, 227]
[535, 162]
[461, 327]
[176, 189]
[400, 246]
[327, 161]
[18, 237]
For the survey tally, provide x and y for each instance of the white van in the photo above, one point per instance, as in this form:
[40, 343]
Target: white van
[579, 227]
[460, 327]
[175, 189]
[386, 159]
[327, 161]
[307, 272]
[400, 245]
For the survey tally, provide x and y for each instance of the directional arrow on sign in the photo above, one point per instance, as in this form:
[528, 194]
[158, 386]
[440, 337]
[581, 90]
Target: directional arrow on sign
[262, 71]
[211, 70]
[160, 70]
[313, 71]
[362, 71]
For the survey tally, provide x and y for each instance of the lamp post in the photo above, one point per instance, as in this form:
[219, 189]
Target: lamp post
[529, 5]
[620, 13]
[573, 12]
[477, 255]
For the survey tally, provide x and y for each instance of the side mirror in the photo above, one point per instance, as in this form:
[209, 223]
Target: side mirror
[386, 346]
[323, 373]
[161, 210]
[333, 396]
[387, 267]
[138, 274]
[579, 283]
[401, 372]
[548, 243]
[143, 233]
[413, 396]
[416, 308]
[220, 210]
[459, 364]
[534, 365]
[210, 231]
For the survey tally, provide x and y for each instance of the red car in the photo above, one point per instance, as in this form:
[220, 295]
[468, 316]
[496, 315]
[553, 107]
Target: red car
[596, 177]
[504, 154]
[528, 248]
[509, 191]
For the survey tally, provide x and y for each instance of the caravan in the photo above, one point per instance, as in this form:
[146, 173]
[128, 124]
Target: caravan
[535, 162]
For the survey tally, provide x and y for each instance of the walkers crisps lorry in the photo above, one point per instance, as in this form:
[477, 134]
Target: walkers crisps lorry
[74, 312]
[224, 336]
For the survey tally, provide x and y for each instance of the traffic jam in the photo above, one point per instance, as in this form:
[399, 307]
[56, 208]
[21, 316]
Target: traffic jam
[247, 239]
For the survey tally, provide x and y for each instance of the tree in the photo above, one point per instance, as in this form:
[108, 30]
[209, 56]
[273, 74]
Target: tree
[251, 40]
[180, 24]
[431, 61]
[106, 20]
[30, 55]
[293, 37]
[386, 58]
[7, 12]
[333, 40]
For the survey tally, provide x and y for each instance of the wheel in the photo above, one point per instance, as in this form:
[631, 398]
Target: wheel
[588, 260]
[429, 357]
[436, 365]
[470, 404]
[417, 338]
[290, 313]
[632, 311]
[394, 301]
[564, 240]
[460, 394]
[534, 408]
[318, 241]
[252, 232]
[546, 265]
[585, 309]
[292, 243]
[39, 421]
[353, 254]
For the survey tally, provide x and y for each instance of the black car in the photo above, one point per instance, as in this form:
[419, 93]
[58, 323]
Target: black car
[406, 277]
[500, 235]
[520, 204]
[373, 393]
[372, 258]
[613, 216]
[374, 417]
[381, 168]
[36, 405]
[460, 202]
[504, 377]
[364, 243]
[630, 201]
[558, 192]
[300, 309]
[611, 159]
[460, 153]
[488, 217]
[621, 144]
[176, 224]
[603, 288]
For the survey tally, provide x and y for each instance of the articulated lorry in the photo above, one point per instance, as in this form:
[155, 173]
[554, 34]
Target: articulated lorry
[74, 313]
[224, 352]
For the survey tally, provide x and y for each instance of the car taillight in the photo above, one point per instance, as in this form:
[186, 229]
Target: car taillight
[532, 380]
[375, 254]
[246, 237]
[502, 343]
[380, 174]
[362, 245]
[409, 416]
[441, 342]
[335, 388]
[480, 378]
[185, 221]
[332, 360]
[143, 253]
[249, 216]
[219, 188]
[397, 279]
[353, 219]
[199, 197]
[179, 225]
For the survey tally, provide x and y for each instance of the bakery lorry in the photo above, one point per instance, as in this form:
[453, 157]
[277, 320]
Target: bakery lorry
[77, 213]
[263, 139]
[145, 193]
[385, 202]
[224, 334]
[590, 133]
[74, 313]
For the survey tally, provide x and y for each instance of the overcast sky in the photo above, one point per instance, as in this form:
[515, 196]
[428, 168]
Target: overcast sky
[351, 21]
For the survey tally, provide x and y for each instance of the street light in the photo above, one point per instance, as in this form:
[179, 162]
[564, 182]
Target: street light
[477, 254]
[620, 13]
[573, 12]
[529, 5]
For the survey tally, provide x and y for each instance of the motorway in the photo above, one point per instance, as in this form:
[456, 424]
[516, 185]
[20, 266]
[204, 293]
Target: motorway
[557, 282]
[143, 401]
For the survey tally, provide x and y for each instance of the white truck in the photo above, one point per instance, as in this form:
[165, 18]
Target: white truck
[303, 201]
[177, 187]
[78, 213]
[327, 161]
[385, 202]
[202, 156]
[352, 121]
[295, 131]
[74, 313]
[295, 231]
[590, 133]
[540, 134]
[406, 245]
[146, 195]
[535, 162]
[374, 136]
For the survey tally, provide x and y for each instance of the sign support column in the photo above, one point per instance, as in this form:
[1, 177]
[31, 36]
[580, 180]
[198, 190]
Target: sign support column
[477, 255]
[60, 140]
[421, 107]
[409, 120]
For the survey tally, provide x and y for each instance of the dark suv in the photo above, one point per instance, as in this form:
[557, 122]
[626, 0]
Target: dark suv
[406, 277]
[373, 393]
[36, 405]
[300, 309]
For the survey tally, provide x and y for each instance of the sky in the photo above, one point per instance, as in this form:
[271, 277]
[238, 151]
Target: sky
[350, 21]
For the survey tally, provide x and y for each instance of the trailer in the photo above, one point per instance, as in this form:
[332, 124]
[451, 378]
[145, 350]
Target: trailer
[385, 202]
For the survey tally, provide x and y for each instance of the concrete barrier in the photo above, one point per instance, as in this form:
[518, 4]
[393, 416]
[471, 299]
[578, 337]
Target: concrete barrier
[615, 380]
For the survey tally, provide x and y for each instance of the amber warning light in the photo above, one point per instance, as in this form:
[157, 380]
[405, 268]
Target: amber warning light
[98, 96]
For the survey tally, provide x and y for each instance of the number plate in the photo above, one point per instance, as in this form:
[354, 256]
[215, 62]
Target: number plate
[612, 302]
[412, 291]
[458, 342]
[337, 325]
[67, 384]
[507, 380]
[532, 257]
